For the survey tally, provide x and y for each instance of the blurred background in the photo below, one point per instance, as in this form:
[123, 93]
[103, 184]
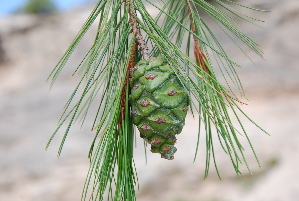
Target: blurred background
[32, 40]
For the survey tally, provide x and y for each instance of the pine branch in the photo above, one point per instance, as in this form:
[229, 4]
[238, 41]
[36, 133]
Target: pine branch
[108, 79]
[135, 29]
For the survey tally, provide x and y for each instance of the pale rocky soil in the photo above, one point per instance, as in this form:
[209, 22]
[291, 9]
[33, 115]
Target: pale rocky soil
[29, 113]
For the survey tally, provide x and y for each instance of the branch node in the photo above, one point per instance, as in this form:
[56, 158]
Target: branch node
[200, 56]
[136, 30]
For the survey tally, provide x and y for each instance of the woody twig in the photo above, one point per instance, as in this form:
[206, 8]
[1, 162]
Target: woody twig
[135, 29]
[131, 64]
[200, 56]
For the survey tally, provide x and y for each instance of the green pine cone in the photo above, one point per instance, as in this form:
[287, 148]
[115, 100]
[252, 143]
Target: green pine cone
[159, 104]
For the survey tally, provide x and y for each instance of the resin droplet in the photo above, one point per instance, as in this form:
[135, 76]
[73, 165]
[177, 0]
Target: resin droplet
[146, 127]
[160, 120]
[171, 92]
[136, 87]
[145, 103]
[156, 141]
[151, 76]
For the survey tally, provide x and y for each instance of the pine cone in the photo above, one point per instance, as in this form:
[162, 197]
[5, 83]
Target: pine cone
[159, 104]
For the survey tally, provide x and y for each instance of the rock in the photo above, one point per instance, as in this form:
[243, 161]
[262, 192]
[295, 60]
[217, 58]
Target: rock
[17, 23]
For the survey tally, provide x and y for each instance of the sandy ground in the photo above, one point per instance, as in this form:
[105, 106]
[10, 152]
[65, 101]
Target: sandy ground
[29, 114]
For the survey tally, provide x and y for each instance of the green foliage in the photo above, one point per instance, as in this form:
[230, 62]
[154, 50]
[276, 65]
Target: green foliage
[104, 80]
[38, 7]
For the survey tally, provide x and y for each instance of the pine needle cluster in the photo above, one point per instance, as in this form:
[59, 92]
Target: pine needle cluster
[127, 32]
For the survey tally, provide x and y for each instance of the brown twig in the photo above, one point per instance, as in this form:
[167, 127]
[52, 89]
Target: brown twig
[131, 64]
[144, 51]
[135, 29]
[200, 56]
